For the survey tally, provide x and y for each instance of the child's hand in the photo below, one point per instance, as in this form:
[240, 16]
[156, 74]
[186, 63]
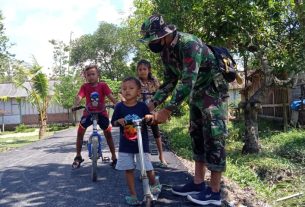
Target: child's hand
[121, 121]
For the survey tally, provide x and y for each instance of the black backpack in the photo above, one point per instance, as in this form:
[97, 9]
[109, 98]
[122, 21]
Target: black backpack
[226, 63]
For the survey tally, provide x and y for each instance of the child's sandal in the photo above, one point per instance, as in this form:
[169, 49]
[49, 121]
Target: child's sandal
[77, 161]
[132, 201]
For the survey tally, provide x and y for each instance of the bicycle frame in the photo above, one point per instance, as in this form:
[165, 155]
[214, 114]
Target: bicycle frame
[94, 147]
[145, 94]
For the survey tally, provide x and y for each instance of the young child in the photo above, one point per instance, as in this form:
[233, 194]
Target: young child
[150, 84]
[128, 149]
[93, 85]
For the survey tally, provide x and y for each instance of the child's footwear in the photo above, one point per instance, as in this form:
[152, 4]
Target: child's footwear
[161, 164]
[77, 161]
[113, 163]
[132, 201]
[155, 189]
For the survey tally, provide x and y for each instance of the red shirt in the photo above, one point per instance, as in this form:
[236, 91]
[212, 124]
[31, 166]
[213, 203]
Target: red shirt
[102, 89]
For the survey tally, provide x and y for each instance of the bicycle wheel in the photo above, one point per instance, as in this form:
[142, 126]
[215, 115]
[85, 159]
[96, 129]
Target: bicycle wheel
[94, 158]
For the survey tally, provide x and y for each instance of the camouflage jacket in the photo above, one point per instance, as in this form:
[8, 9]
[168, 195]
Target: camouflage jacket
[189, 66]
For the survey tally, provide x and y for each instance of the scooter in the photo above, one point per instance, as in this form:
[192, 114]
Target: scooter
[149, 198]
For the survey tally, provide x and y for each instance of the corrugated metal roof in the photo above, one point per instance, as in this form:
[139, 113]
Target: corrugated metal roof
[11, 91]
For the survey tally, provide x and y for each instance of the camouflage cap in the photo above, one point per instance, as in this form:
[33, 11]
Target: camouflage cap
[155, 28]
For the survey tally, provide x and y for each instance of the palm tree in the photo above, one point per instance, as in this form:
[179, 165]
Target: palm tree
[36, 84]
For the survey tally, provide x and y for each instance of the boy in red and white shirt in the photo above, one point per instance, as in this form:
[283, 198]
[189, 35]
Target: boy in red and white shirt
[93, 85]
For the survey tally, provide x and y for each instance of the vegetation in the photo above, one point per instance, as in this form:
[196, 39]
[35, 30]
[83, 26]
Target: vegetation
[24, 135]
[107, 47]
[36, 84]
[23, 128]
[277, 171]
[5, 56]
[12, 143]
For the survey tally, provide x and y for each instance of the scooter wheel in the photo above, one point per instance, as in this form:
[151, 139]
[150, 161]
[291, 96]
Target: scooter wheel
[149, 202]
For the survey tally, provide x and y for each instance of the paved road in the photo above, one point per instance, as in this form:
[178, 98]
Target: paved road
[40, 174]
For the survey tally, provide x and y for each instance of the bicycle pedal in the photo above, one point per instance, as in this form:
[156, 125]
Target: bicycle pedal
[154, 152]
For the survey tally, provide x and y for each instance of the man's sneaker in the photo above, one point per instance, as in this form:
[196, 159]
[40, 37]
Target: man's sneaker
[188, 189]
[206, 197]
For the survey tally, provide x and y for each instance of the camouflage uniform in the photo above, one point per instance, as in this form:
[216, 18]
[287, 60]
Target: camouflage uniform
[190, 70]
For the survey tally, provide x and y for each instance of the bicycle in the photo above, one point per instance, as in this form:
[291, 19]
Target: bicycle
[144, 96]
[94, 144]
[149, 198]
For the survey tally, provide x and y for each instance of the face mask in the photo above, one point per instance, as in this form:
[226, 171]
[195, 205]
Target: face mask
[156, 47]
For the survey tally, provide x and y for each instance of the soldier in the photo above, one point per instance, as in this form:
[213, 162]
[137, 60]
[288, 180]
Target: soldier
[190, 71]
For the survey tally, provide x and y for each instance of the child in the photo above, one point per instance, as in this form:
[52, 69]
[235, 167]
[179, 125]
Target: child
[150, 84]
[93, 85]
[128, 149]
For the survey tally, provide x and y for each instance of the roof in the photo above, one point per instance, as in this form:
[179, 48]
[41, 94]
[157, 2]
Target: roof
[10, 90]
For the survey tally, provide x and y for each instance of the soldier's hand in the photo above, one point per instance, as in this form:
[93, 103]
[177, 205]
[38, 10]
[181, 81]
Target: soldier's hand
[161, 116]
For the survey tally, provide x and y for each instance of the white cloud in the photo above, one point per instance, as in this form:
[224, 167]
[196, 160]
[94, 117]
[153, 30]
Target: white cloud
[32, 23]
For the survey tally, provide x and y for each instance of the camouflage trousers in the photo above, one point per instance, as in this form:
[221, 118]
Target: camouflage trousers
[208, 111]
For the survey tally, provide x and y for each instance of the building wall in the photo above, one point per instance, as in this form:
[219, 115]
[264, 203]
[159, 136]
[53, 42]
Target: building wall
[17, 112]
[52, 118]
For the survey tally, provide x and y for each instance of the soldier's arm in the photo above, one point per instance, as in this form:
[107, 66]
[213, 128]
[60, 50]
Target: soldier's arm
[191, 62]
[169, 83]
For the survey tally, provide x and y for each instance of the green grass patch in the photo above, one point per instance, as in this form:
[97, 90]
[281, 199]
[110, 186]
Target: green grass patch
[277, 171]
[24, 128]
[53, 128]
[11, 143]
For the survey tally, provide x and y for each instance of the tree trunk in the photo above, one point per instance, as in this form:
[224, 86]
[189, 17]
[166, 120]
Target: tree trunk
[42, 126]
[71, 117]
[251, 134]
[251, 108]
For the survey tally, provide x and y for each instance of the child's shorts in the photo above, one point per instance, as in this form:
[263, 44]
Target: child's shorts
[126, 161]
[103, 121]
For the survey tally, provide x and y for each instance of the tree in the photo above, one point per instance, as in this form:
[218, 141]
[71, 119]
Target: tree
[144, 8]
[36, 83]
[65, 97]
[266, 34]
[104, 48]
[60, 57]
[4, 54]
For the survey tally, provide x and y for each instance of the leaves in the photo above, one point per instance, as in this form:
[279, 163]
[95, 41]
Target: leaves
[108, 47]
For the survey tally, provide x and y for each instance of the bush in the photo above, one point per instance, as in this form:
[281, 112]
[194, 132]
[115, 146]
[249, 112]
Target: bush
[56, 127]
[24, 128]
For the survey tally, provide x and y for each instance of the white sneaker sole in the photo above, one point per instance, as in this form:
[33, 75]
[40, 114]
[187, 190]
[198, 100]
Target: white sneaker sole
[185, 194]
[214, 202]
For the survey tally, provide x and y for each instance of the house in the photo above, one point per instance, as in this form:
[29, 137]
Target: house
[15, 109]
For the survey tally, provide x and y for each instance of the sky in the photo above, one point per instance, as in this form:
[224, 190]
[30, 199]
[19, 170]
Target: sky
[30, 24]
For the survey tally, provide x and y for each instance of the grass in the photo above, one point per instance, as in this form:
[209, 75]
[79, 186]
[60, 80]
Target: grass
[277, 171]
[12, 143]
[22, 137]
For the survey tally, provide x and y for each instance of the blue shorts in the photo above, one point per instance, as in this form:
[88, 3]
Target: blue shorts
[102, 121]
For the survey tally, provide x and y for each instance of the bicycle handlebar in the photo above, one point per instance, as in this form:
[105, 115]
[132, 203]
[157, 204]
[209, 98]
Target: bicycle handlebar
[78, 108]
[86, 108]
[138, 121]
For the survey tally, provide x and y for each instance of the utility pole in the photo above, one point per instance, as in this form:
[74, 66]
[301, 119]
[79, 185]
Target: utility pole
[69, 58]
